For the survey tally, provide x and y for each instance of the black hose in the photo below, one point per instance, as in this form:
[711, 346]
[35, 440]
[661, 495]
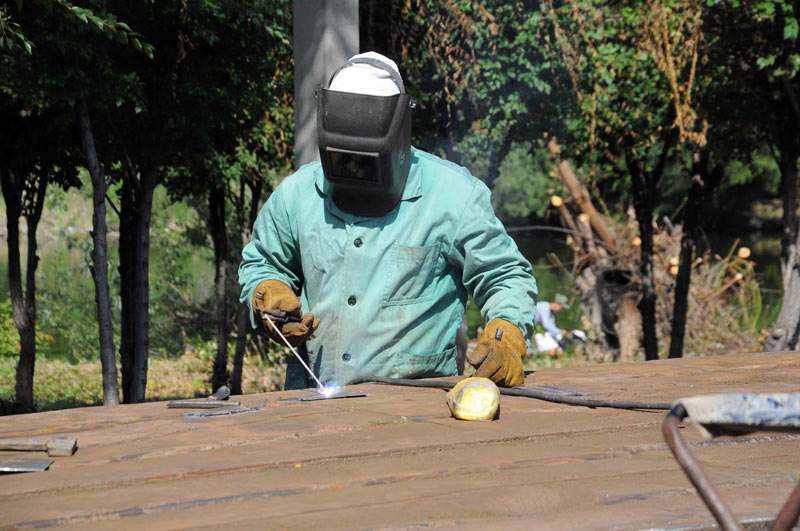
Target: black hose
[526, 392]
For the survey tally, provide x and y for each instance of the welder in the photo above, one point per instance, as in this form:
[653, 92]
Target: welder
[381, 243]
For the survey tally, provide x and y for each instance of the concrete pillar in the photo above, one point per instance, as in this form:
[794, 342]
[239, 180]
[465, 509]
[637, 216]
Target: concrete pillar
[325, 36]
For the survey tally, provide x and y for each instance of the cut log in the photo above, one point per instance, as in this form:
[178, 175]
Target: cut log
[628, 327]
[558, 202]
[581, 195]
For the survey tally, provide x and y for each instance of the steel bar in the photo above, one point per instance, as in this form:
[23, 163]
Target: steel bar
[220, 411]
[691, 468]
[790, 511]
[201, 404]
[345, 394]
[59, 446]
[541, 393]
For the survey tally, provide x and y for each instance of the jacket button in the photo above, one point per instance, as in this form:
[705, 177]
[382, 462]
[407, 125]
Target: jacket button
[358, 242]
[346, 356]
[351, 300]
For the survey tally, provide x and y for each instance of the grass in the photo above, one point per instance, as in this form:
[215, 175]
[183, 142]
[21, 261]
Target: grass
[60, 384]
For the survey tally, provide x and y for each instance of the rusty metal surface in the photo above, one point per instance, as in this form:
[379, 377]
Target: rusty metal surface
[397, 459]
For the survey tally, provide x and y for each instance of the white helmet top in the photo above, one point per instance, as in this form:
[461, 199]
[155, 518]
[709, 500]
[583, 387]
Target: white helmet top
[363, 78]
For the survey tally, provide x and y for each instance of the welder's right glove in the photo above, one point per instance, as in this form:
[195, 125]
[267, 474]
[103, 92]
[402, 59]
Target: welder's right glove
[279, 300]
[499, 352]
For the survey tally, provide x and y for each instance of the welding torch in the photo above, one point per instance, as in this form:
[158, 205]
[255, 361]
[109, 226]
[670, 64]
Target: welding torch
[278, 320]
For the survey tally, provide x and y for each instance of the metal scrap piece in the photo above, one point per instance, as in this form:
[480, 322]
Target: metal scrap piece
[62, 446]
[59, 446]
[318, 396]
[201, 404]
[25, 465]
[344, 394]
[221, 394]
[214, 412]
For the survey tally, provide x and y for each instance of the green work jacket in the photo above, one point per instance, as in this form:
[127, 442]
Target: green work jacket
[390, 291]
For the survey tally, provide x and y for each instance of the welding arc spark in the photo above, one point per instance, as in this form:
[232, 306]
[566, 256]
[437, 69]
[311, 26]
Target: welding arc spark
[322, 388]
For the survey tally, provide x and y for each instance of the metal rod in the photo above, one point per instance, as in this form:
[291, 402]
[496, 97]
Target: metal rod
[527, 392]
[789, 512]
[692, 469]
[275, 327]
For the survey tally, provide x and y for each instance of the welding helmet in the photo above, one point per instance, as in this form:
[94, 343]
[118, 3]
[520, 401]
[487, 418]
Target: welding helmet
[364, 135]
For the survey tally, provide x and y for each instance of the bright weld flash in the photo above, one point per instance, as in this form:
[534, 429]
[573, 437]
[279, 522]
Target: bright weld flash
[329, 391]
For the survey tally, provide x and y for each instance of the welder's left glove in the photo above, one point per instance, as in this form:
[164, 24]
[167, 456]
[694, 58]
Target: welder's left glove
[499, 352]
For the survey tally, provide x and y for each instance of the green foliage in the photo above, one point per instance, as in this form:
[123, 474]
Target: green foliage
[181, 279]
[99, 20]
[9, 338]
[761, 168]
[776, 22]
[11, 35]
[524, 186]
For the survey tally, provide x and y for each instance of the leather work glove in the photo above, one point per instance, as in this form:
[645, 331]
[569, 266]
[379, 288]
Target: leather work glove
[499, 352]
[279, 300]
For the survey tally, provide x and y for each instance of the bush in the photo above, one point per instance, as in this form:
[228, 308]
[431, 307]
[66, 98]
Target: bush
[9, 337]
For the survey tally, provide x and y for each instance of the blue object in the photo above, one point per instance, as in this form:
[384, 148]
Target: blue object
[735, 414]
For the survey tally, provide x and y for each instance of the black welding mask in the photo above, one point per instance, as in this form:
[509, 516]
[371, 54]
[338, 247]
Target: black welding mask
[365, 145]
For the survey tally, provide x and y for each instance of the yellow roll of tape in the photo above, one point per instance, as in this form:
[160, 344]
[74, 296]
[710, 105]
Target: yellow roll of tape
[474, 399]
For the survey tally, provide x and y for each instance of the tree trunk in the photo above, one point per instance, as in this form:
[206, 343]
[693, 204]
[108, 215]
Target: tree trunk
[628, 327]
[785, 332]
[242, 329]
[216, 222]
[789, 247]
[127, 273]
[144, 210]
[255, 186]
[643, 205]
[684, 278]
[23, 306]
[703, 184]
[32, 217]
[27, 357]
[647, 306]
[785, 335]
[100, 261]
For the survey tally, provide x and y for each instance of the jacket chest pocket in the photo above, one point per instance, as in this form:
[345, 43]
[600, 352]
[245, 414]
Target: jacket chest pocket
[410, 274]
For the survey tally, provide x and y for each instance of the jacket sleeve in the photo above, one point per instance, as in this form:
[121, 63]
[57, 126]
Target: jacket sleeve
[272, 253]
[499, 278]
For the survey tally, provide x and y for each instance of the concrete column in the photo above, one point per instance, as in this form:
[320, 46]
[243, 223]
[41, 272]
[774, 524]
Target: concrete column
[325, 36]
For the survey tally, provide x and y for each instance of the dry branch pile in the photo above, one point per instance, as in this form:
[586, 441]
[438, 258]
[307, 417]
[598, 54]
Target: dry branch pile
[724, 297]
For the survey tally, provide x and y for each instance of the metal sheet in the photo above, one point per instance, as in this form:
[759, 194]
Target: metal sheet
[400, 460]
[25, 465]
